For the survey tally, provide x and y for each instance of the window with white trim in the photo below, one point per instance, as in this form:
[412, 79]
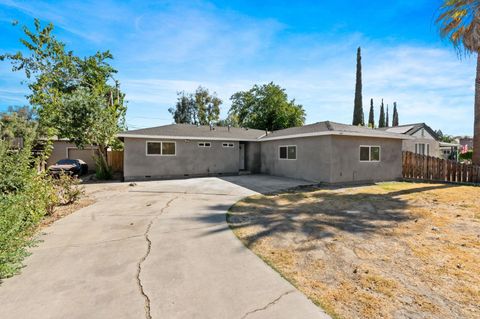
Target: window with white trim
[287, 152]
[422, 148]
[161, 148]
[228, 145]
[204, 144]
[369, 153]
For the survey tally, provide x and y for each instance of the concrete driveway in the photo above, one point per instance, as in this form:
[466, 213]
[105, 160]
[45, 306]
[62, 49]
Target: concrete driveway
[159, 249]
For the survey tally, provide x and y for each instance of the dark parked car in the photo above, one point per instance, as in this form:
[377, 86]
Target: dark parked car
[73, 167]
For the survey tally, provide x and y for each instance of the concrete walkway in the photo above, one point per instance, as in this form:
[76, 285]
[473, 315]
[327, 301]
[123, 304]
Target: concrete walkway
[156, 250]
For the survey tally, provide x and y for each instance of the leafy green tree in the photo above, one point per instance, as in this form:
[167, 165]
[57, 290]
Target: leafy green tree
[184, 111]
[358, 117]
[207, 106]
[49, 69]
[17, 122]
[200, 108]
[87, 118]
[231, 120]
[371, 115]
[444, 137]
[266, 107]
[381, 121]
[395, 115]
[459, 22]
[57, 79]
[387, 121]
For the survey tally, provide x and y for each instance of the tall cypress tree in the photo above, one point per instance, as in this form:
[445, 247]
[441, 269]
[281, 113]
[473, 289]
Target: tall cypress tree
[358, 118]
[371, 116]
[387, 122]
[395, 115]
[381, 121]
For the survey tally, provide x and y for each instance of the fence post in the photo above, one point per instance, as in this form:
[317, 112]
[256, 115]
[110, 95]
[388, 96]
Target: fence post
[416, 166]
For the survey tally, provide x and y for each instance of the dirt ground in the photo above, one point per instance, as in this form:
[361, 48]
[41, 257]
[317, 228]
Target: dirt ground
[390, 250]
[91, 194]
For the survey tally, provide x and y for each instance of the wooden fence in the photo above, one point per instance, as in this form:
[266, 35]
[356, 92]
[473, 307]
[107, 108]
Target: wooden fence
[115, 160]
[422, 167]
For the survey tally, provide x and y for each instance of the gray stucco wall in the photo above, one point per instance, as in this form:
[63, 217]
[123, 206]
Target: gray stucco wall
[313, 158]
[252, 154]
[60, 151]
[333, 159]
[346, 166]
[190, 160]
[330, 159]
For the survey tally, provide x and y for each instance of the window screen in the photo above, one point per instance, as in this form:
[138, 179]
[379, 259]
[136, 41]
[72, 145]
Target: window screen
[292, 152]
[288, 152]
[364, 153]
[154, 148]
[168, 148]
[374, 153]
[369, 153]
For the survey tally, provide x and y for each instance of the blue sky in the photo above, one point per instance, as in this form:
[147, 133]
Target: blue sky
[307, 47]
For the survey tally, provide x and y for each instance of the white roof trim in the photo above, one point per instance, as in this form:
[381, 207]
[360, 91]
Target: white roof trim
[196, 138]
[445, 144]
[396, 136]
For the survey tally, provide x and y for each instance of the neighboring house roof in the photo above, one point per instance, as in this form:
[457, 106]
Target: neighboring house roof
[329, 128]
[410, 129]
[445, 144]
[194, 132]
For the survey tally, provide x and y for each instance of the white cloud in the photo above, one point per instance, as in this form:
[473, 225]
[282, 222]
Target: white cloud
[429, 84]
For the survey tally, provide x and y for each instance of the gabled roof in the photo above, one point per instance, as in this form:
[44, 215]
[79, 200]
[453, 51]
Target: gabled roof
[194, 132]
[410, 129]
[329, 128]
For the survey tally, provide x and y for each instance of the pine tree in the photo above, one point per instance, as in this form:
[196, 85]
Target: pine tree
[387, 122]
[358, 117]
[395, 115]
[381, 121]
[371, 116]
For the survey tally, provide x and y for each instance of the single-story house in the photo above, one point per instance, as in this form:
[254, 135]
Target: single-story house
[424, 140]
[449, 150]
[322, 152]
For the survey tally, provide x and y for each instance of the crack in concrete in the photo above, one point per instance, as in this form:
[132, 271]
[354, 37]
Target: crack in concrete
[142, 260]
[271, 303]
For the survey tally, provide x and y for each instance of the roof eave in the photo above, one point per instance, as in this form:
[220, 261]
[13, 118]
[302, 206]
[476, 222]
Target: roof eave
[196, 138]
[338, 133]
[265, 137]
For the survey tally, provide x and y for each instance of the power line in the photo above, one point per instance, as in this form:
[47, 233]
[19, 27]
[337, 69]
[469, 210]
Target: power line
[149, 118]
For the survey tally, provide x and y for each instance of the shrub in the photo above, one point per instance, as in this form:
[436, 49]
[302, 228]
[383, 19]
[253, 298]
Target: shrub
[26, 196]
[67, 189]
[15, 168]
[20, 213]
[102, 170]
[466, 156]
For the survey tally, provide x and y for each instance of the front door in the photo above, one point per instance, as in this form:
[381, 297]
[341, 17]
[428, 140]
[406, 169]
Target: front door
[242, 155]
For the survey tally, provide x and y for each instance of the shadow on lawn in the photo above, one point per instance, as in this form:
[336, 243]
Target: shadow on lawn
[316, 214]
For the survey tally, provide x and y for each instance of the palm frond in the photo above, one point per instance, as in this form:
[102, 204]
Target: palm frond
[459, 22]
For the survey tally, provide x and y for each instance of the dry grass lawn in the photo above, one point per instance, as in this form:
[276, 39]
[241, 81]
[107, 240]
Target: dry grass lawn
[390, 250]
